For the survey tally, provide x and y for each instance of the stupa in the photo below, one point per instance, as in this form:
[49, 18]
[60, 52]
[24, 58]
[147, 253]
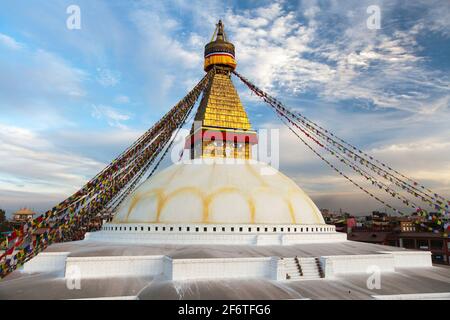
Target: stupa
[222, 195]
[222, 225]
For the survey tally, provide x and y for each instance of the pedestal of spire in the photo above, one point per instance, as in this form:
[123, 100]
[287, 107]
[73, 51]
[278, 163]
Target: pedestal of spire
[221, 128]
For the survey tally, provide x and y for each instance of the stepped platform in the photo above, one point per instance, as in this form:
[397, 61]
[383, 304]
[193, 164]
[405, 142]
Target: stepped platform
[91, 269]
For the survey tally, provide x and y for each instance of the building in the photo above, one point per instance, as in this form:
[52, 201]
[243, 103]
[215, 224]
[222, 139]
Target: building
[407, 226]
[404, 232]
[221, 225]
[23, 215]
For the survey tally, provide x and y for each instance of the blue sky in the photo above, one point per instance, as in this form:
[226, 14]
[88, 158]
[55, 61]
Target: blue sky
[70, 100]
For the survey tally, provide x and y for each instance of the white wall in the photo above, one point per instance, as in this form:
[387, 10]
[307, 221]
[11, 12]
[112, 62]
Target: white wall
[46, 262]
[411, 259]
[114, 266]
[345, 264]
[243, 234]
[184, 269]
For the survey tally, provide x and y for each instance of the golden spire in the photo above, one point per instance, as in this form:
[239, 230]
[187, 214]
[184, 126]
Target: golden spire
[219, 52]
[221, 127]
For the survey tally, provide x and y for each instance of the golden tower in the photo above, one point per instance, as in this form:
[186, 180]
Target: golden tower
[221, 127]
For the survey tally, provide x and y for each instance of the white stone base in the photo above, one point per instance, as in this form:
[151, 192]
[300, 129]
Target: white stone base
[230, 234]
[47, 262]
[214, 268]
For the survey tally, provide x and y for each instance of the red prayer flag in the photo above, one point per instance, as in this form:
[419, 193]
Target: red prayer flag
[12, 236]
[9, 251]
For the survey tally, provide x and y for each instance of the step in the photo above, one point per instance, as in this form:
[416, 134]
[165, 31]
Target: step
[308, 274]
[308, 263]
[303, 278]
[292, 269]
[310, 269]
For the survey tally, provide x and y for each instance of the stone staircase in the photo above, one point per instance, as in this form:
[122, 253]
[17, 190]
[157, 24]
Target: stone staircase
[303, 268]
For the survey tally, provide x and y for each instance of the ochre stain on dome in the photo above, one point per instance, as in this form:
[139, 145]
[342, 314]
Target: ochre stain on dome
[219, 193]
[291, 210]
[224, 190]
[194, 191]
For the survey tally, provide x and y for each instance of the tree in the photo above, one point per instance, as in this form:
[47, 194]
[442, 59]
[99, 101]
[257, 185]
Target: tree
[2, 216]
[4, 224]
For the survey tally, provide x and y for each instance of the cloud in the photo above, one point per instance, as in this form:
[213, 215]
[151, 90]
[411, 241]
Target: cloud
[39, 169]
[113, 116]
[332, 55]
[10, 42]
[161, 45]
[32, 164]
[122, 99]
[382, 90]
[107, 77]
[38, 78]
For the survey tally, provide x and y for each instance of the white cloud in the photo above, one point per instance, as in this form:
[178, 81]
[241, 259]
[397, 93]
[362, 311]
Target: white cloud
[10, 42]
[39, 169]
[122, 99]
[33, 164]
[161, 44]
[338, 61]
[43, 79]
[113, 116]
[107, 77]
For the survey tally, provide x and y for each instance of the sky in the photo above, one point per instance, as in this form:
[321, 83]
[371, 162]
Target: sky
[73, 99]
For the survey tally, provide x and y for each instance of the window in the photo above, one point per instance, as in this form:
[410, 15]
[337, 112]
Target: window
[408, 243]
[257, 229]
[171, 228]
[282, 229]
[156, 228]
[205, 229]
[148, 228]
[301, 230]
[274, 229]
[187, 229]
[265, 229]
[437, 258]
[120, 228]
[116, 228]
[437, 244]
[295, 229]
[179, 229]
[306, 229]
[142, 228]
[223, 229]
[240, 229]
[289, 229]
[232, 229]
[164, 228]
[196, 229]
[249, 229]
[422, 244]
[214, 229]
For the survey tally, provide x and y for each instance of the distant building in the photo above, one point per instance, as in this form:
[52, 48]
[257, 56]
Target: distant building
[409, 239]
[380, 221]
[407, 226]
[23, 215]
[429, 241]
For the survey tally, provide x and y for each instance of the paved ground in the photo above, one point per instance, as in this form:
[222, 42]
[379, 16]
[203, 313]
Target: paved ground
[48, 286]
[53, 286]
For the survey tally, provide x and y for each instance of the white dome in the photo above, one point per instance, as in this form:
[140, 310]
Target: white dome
[247, 193]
